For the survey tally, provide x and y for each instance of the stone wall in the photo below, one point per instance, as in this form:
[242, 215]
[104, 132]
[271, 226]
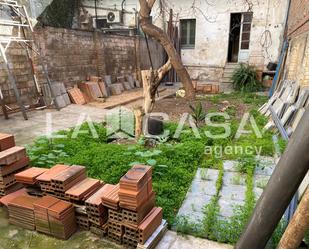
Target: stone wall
[71, 55]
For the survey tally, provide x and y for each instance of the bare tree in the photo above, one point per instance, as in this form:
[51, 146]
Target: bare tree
[174, 58]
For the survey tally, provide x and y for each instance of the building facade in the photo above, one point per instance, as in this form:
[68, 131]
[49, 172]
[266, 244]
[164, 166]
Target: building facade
[214, 35]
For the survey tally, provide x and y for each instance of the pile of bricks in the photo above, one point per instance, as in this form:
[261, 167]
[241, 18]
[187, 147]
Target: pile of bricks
[13, 159]
[68, 199]
[206, 88]
[54, 217]
[97, 88]
[21, 212]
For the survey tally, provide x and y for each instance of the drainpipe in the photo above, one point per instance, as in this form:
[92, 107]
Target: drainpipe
[122, 11]
[286, 21]
[96, 13]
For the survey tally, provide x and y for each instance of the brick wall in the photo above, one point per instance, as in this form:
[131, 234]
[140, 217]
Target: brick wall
[71, 55]
[297, 65]
[298, 18]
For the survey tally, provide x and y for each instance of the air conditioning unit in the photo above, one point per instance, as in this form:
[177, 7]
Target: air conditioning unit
[114, 17]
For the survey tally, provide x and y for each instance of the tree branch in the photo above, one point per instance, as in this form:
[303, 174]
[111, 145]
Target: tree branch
[151, 3]
[162, 71]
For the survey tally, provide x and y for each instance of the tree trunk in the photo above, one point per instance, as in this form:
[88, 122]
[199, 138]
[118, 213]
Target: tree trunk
[298, 226]
[139, 114]
[148, 98]
[163, 39]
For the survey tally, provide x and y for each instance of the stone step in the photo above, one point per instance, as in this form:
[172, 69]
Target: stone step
[226, 87]
[232, 65]
[228, 74]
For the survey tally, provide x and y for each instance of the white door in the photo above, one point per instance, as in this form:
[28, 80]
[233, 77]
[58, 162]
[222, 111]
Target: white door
[246, 20]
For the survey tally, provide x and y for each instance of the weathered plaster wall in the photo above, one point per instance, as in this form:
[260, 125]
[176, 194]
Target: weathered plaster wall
[207, 59]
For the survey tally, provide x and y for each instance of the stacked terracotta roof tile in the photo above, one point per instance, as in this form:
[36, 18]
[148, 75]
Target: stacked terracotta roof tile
[125, 212]
[13, 159]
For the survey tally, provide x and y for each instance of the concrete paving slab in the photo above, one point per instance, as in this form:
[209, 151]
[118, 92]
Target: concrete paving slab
[233, 192]
[26, 131]
[266, 166]
[234, 178]
[174, 241]
[199, 195]
[194, 204]
[206, 174]
[230, 166]
[203, 188]
[227, 207]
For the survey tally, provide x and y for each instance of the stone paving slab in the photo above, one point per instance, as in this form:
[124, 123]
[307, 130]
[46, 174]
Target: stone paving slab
[199, 195]
[230, 166]
[203, 188]
[174, 241]
[233, 192]
[266, 166]
[227, 207]
[206, 174]
[234, 178]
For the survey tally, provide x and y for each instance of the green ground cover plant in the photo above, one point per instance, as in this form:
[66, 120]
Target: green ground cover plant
[174, 160]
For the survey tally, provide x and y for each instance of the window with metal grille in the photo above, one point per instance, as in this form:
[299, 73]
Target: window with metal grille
[187, 32]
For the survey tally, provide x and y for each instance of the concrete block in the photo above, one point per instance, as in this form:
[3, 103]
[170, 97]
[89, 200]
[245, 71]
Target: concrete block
[66, 99]
[104, 89]
[137, 83]
[121, 79]
[108, 79]
[61, 101]
[127, 86]
[94, 90]
[130, 79]
[116, 89]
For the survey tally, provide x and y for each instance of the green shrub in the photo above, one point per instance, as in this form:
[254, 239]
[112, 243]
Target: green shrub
[245, 79]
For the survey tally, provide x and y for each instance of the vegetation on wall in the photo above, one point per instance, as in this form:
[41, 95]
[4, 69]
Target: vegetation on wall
[59, 14]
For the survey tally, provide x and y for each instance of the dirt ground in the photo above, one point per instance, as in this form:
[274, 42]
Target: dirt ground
[175, 107]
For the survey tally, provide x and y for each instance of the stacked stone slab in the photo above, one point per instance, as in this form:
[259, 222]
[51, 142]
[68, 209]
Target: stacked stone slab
[13, 159]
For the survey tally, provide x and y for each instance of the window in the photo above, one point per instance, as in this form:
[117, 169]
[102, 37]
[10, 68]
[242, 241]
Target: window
[187, 33]
[246, 29]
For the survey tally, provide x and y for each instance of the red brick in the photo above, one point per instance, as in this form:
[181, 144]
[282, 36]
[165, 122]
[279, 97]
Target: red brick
[6, 141]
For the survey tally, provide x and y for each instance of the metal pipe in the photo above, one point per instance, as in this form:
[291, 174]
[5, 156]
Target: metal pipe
[283, 184]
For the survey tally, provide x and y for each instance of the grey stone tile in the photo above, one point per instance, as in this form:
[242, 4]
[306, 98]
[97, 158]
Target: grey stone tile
[230, 166]
[203, 188]
[227, 207]
[194, 204]
[204, 174]
[233, 192]
[234, 178]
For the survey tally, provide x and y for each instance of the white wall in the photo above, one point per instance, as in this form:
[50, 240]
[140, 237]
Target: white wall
[207, 60]
[212, 29]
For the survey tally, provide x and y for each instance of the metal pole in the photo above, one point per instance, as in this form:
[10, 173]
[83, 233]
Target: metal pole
[283, 184]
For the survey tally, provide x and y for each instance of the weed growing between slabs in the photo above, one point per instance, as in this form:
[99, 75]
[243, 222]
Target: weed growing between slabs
[174, 160]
